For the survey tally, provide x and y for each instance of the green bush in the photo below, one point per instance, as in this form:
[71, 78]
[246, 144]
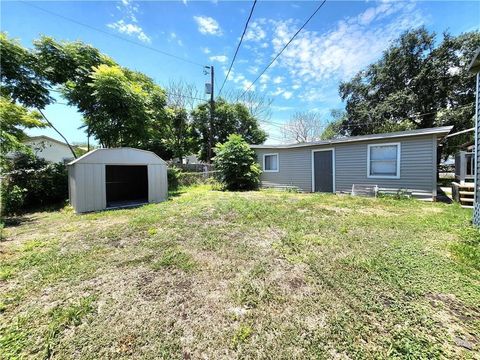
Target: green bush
[13, 198]
[236, 164]
[43, 183]
[173, 175]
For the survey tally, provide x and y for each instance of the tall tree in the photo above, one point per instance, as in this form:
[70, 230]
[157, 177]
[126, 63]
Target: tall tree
[303, 127]
[23, 80]
[228, 119]
[415, 84]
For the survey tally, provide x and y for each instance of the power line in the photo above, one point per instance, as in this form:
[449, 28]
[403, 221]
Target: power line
[281, 51]
[111, 34]
[238, 46]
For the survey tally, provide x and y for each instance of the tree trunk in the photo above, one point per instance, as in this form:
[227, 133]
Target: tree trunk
[58, 132]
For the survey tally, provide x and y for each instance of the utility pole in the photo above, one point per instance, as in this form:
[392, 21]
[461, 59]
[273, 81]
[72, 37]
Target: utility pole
[212, 112]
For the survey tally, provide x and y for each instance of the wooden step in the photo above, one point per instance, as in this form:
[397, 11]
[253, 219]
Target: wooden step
[466, 200]
[467, 193]
[467, 206]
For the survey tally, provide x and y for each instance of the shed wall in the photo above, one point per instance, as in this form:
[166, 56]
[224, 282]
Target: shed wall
[417, 165]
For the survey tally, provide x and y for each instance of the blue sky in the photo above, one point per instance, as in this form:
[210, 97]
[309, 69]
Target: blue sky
[341, 39]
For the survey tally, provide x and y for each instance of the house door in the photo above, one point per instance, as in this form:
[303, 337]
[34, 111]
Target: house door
[323, 171]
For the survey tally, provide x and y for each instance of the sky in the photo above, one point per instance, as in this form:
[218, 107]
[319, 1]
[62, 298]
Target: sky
[340, 40]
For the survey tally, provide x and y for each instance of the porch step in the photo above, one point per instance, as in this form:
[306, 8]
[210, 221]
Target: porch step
[469, 200]
[466, 193]
[467, 206]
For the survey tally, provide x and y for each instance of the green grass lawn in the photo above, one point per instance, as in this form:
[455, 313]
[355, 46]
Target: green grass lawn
[263, 274]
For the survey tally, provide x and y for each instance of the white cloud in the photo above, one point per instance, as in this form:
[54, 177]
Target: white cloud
[247, 84]
[130, 29]
[264, 78]
[219, 58]
[287, 94]
[206, 50]
[278, 79]
[129, 24]
[255, 32]
[277, 91]
[296, 86]
[350, 46]
[208, 25]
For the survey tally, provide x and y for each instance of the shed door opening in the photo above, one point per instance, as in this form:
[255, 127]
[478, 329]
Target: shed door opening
[126, 184]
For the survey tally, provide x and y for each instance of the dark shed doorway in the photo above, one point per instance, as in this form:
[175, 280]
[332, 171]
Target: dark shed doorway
[126, 185]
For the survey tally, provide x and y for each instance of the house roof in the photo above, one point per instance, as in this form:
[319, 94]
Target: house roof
[474, 66]
[123, 155]
[43, 138]
[439, 131]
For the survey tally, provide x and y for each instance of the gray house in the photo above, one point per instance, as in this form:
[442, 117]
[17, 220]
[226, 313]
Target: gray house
[474, 68]
[401, 160]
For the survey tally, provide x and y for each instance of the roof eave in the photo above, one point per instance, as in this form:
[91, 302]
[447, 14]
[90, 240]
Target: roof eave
[439, 131]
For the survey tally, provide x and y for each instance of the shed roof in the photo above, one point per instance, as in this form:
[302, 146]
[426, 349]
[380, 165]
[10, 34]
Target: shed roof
[439, 131]
[120, 156]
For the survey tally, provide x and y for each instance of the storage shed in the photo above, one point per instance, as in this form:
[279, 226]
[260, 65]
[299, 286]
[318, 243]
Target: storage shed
[112, 178]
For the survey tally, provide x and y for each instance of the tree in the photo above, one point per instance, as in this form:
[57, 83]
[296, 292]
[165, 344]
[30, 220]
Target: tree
[258, 104]
[14, 119]
[236, 164]
[415, 84]
[228, 119]
[23, 80]
[334, 127]
[303, 127]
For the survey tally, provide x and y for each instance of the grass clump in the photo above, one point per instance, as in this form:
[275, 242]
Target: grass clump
[175, 258]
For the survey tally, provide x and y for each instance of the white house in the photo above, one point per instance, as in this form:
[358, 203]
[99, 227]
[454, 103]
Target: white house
[49, 149]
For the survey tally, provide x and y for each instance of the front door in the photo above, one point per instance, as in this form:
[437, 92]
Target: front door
[323, 171]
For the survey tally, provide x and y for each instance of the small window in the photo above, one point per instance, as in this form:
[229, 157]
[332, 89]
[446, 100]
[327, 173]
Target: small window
[384, 161]
[270, 162]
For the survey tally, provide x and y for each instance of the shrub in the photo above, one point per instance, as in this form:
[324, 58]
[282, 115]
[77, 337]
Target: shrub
[13, 198]
[173, 174]
[44, 183]
[236, 164]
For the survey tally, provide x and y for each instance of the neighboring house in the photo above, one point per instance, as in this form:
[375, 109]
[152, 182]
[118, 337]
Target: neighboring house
[475, 69]
[405, 160]
[49, 149]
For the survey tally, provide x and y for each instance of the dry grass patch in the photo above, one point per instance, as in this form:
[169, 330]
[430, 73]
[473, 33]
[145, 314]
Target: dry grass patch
[264, 274]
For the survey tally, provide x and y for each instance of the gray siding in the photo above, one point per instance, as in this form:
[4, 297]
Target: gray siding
[417, 165]
[476, 212]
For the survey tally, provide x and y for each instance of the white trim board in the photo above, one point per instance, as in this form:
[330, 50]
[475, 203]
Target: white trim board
[278, 163]
[399, 152]
[313, 166]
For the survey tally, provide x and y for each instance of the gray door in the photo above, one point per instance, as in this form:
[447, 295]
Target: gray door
[323, 171]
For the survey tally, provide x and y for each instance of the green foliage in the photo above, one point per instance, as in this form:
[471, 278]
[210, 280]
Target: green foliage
[14, 118]
[21, 79]
[228, 119]
[236, 164]
[173, 174]
[42, 183]
[13, 198]
[416, 84]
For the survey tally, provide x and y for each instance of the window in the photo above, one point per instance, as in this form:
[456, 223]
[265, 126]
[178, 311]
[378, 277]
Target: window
[270, 162]
[383, 161]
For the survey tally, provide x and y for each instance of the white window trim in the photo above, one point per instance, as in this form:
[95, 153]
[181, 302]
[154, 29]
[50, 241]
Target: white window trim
[399, 152]
[333, 167]
[278, 162]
